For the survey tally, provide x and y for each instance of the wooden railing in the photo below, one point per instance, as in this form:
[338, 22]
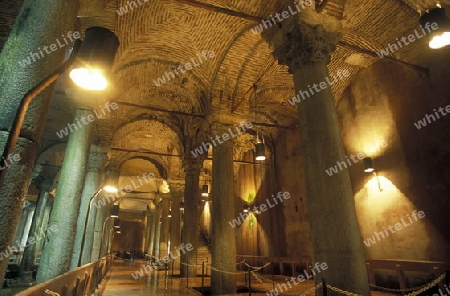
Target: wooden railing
[81, 281]
[401, 266]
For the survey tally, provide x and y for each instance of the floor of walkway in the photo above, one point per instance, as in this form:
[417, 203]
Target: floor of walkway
[121, 283]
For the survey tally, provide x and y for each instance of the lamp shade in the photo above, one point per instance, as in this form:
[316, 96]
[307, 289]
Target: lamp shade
[95, 59]
[205, 190]
[441, 36]
[368, 167]
[117, 223]
[112, 180]
[114, 211]
[260, 151]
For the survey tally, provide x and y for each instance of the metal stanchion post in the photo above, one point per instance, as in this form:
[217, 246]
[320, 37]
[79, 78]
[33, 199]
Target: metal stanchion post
[187, 273]
[249, 282]
[273, 277]
[203, 274]
[324, 287]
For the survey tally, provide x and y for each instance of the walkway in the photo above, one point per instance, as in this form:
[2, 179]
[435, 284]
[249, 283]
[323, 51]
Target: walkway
[121, 283]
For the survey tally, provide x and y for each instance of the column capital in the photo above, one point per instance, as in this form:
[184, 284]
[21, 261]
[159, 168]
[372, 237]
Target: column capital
[192, 166]
[96, 161]
[305, 44]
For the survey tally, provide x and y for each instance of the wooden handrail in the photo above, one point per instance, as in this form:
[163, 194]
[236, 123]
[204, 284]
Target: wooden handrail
[81, 281]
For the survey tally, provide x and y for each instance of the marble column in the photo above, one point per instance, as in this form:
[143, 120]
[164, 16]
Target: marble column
[335, 234]
[190, 231]
[38, 23]
[165, 225]
[58, 249]
[175, 224]
[223, 236]
[28, 208]
[150, 248]
[91, 186]
[37, 228]
[150, 217]
[158, 221]
[100, 216]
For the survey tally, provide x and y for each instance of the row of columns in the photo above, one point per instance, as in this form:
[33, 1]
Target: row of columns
[304, 48]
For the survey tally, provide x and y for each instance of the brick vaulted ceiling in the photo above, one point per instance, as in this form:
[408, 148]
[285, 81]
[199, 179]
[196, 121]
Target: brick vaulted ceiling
[159, 35]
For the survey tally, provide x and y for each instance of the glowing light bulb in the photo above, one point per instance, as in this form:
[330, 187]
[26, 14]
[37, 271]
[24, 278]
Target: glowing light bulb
[90, 79]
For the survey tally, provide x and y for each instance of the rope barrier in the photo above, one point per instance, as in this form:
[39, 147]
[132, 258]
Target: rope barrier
[261, 280]
[417, 290]
[47, 291]
[335, 289]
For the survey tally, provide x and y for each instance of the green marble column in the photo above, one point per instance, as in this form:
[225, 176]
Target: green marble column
[335, 234]
[57, 252]
[39, 23]
[91, 185]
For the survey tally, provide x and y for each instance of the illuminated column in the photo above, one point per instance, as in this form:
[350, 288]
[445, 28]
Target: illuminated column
[223, 238]
[175, 223]
[37, 228]
[91, 186]
[39, 23]
[335, 234]
[55, 258]
[158, 221]
[165, 225]
[190, 229]
[150, 217]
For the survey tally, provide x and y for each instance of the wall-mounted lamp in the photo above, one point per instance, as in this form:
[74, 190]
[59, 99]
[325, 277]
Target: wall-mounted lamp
[115, 211]
[248, 209]
[117, 223]
[170, 213]
[260, 151]
[440, 37]
[205, 190]
[368, 166]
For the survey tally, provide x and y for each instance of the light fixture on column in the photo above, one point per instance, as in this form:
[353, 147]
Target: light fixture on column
[439, 37]
[260, 151]
[115, 211]
[205, 190]
[96, 42]
[368, 166]
[170, 213]
[112, 180]
[117, 223]
[95, 59]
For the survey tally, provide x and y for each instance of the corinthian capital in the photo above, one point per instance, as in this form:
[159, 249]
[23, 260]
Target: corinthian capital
[305, 44]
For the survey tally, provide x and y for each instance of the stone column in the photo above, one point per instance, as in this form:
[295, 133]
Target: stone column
[165, 225]
[158, 222]
[37, 228]
[175, 223]
[149, 217]
[189, 234]
[152, 220]
[19, 234]
[223, 238]
[55, 259]
[335, 234]
[100, 216]
[91, 186]
[39, 23]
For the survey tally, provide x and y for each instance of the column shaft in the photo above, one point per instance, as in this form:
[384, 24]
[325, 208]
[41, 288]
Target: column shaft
[91, 186]
[37, 229]
[335, 234]
[190, 229]
[38, 23]
[55, 259]
[223, 236]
